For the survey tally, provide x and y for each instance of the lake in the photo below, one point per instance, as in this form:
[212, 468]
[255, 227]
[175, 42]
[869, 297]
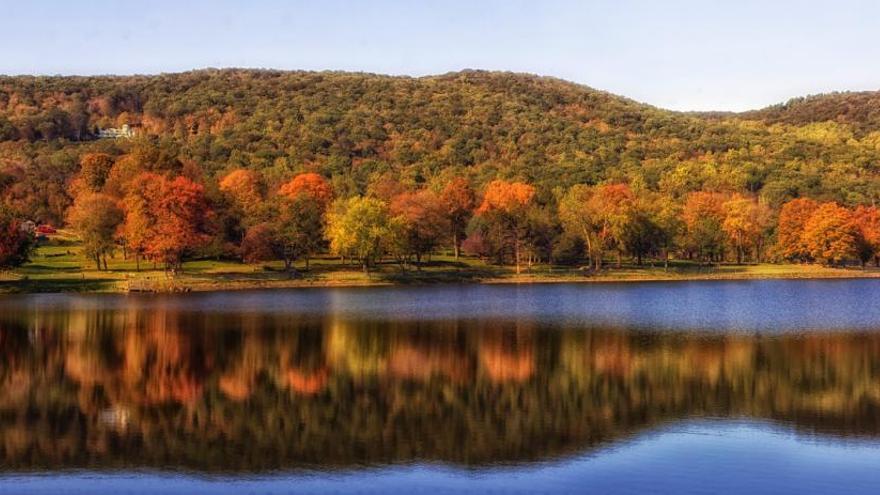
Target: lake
[686, 387]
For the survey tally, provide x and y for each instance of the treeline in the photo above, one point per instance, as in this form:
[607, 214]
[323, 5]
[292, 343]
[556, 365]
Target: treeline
[387, 148]
[166, 211]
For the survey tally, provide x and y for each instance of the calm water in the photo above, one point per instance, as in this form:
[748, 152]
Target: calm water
[709, 387]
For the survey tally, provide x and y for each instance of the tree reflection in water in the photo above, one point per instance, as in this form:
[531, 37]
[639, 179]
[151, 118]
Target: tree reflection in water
[167, 388]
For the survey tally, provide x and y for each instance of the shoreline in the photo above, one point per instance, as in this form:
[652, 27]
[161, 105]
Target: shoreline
[190, 284]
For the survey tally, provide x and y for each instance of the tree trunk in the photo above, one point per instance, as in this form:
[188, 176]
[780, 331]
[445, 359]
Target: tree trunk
[455, 246]
[516, 255]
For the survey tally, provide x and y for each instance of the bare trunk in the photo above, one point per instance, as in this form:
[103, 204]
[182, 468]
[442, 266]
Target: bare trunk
[516, 255]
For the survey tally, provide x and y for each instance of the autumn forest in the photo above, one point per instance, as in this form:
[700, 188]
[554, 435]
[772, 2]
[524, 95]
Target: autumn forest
[268, 166]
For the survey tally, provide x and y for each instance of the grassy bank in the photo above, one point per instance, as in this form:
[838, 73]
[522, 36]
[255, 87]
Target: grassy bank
[58, 266]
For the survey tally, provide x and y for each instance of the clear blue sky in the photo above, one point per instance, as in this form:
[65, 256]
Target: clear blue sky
[686, 55]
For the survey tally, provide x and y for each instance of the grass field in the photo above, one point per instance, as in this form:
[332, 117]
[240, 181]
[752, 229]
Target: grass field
[58, 266]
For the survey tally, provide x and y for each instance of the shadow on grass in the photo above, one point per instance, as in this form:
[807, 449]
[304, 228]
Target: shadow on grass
[39, 268]
[425, 276]
[56, 285]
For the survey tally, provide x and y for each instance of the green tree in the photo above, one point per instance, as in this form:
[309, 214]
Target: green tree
[96, 219]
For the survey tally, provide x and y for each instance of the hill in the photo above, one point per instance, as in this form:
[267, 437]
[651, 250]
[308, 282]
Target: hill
[355, 127]
[482, 125]
[859, 110]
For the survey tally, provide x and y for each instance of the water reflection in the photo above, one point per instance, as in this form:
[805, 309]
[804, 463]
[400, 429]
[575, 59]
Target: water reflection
[168, 387]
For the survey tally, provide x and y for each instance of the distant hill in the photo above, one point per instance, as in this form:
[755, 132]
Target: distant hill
[861, 110]
[355, 127]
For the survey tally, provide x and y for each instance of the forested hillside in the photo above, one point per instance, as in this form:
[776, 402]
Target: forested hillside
[859, 110]
[380, 137]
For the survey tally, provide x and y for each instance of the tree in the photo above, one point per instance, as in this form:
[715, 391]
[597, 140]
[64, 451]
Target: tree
[579, 219]
[745, 222]
[459, 200]
[614, 210]
[642, 235]
[94, 170]
[298, 227]
[423, 222]
[703, 216]
[96, 217]
[16, 243]
[602, 216]
[505, 204]
[359, 227]
[166, 218]
[294, 231]
[667, 215]
[139, 222]
[310, 184]
[245, 188]
[258, 244]
[793, 218]
[831, 234]
[867, 219]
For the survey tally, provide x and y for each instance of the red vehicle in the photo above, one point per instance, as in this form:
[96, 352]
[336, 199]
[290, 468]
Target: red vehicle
[46, 229]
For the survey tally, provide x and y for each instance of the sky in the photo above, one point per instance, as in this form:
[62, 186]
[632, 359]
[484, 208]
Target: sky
[678, 54]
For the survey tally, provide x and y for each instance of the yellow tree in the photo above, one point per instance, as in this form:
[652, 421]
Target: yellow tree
[745, 222]
[578, 219]
[603, 216]
[359, 227]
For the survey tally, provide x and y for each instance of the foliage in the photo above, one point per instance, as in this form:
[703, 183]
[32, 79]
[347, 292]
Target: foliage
[96, 218]
[218, 151]
[16, 243]
[831, 234]
[359, 228]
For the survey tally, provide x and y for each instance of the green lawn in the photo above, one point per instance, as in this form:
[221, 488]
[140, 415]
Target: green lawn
[58, 266]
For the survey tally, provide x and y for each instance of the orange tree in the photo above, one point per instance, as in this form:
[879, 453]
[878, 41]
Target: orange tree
[504, 206]
[793, 217]
[458, 199]
[831, 234]
[166, 218]
[867, 220]
[423, 221]
[703, 216]
[310, 184]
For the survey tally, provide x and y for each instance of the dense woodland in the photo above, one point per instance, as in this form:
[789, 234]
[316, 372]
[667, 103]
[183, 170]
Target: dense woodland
[516, 169]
